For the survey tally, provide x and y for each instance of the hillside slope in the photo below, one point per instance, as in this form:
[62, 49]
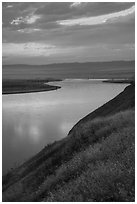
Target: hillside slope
[95, 162]
[125, 100]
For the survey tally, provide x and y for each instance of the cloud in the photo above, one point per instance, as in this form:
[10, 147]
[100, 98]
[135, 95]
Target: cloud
[54, 8]
[97, 19]
[29, 30]
[32, 19]
[75, 4]
[9, 6]
[45, 15]
[27, 49]
[27, 20]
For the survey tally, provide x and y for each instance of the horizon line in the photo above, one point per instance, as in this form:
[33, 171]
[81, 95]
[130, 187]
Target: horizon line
[71, 63]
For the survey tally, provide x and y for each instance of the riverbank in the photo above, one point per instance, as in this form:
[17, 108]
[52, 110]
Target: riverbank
[95, 162]
[27, 86]
[121, 81]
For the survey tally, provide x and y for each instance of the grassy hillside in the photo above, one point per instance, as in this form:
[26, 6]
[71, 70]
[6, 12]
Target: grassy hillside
[95, 162]
[105, 170]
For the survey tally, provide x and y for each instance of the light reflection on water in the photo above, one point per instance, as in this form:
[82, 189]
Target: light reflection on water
[32, 120]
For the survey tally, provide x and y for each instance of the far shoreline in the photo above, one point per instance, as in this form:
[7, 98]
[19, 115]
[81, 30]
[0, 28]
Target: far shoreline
[119, 81]
[27, 86]
[51, 88]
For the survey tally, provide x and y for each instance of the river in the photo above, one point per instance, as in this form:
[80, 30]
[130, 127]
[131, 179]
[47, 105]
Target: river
[32, 120]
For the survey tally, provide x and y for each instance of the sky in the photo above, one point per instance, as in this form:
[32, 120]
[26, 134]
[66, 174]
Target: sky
[58, 32]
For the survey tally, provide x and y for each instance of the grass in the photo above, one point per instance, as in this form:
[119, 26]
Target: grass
[95, 162]
[102, 172]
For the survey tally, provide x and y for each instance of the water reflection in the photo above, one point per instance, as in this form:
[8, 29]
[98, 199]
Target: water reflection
[30, 121]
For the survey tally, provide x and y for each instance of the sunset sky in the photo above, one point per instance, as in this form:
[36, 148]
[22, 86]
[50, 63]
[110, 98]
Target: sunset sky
[51, 32]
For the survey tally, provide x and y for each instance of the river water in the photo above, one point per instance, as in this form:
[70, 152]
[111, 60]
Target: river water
[32, 120]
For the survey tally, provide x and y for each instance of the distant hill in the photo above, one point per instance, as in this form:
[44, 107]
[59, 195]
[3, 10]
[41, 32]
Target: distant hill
[114, 69]
[95, 162]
